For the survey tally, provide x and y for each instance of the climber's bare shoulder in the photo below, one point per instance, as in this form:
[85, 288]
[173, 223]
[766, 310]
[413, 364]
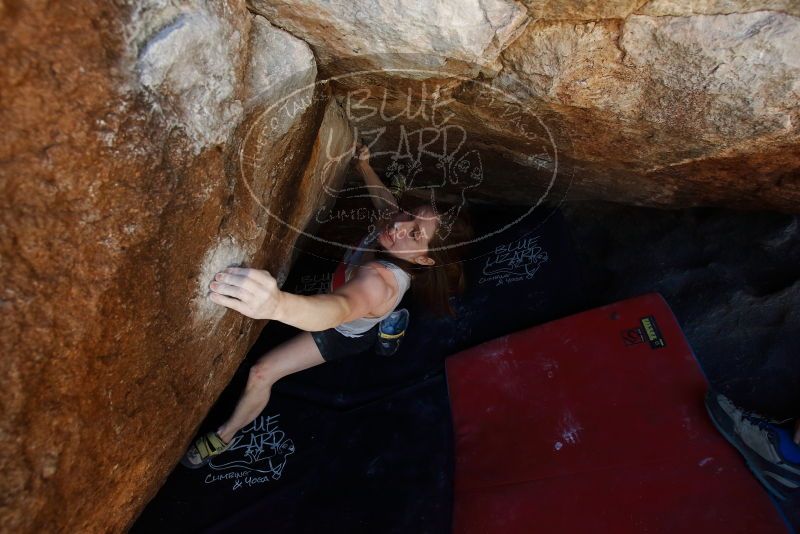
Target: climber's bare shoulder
[371, 290]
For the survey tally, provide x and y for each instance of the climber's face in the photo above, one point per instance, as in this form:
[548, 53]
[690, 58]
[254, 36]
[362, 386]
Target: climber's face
[408, 235]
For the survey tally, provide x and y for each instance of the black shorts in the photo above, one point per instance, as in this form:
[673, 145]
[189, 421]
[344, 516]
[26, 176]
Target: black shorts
[335, 346]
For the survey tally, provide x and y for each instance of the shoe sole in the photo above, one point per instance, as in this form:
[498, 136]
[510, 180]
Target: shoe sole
[744, 450]
[186, 463]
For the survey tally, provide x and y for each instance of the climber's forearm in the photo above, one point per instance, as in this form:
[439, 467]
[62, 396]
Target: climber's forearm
[382, 198]
[255, 293]
[367, 291]
[312, 313]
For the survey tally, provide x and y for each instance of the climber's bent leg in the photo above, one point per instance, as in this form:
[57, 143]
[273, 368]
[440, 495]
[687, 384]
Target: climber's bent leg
[298, 353]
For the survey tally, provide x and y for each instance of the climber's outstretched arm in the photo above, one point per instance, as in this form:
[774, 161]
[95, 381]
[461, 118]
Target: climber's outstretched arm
[255, 293]
[380, 195]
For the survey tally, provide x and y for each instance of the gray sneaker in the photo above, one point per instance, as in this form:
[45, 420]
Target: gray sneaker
[759, 441]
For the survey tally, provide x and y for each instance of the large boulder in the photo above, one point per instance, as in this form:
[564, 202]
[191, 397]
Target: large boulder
[139, 158]
[658, 103]
[465, 35]
[669, 110]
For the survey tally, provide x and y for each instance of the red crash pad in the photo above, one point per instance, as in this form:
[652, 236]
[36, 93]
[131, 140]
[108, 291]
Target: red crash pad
[595, 423]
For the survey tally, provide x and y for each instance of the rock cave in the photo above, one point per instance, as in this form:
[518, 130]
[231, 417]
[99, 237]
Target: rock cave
[629, 173]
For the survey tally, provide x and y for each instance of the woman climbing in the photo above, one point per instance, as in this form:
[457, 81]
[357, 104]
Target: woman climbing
[345, 321]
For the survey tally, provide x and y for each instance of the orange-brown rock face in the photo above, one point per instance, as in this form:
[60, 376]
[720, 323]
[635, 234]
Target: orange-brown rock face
[138, 158]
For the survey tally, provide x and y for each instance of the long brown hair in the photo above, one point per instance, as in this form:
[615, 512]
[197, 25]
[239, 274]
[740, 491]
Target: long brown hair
[432, 286]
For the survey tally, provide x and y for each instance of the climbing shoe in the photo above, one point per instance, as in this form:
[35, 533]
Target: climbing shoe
[391, 331]
[204, 448]
[768, 448]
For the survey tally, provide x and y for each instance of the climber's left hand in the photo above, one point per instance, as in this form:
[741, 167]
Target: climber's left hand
[361, 155]
[251, 292]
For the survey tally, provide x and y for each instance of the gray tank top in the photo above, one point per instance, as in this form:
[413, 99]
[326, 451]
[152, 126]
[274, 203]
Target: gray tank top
[357, 327]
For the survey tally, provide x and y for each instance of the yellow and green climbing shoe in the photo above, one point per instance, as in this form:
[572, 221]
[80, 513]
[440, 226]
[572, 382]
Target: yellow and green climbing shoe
[203, 449]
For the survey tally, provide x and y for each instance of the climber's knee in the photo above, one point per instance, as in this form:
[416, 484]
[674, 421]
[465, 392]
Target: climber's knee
[261, 375]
